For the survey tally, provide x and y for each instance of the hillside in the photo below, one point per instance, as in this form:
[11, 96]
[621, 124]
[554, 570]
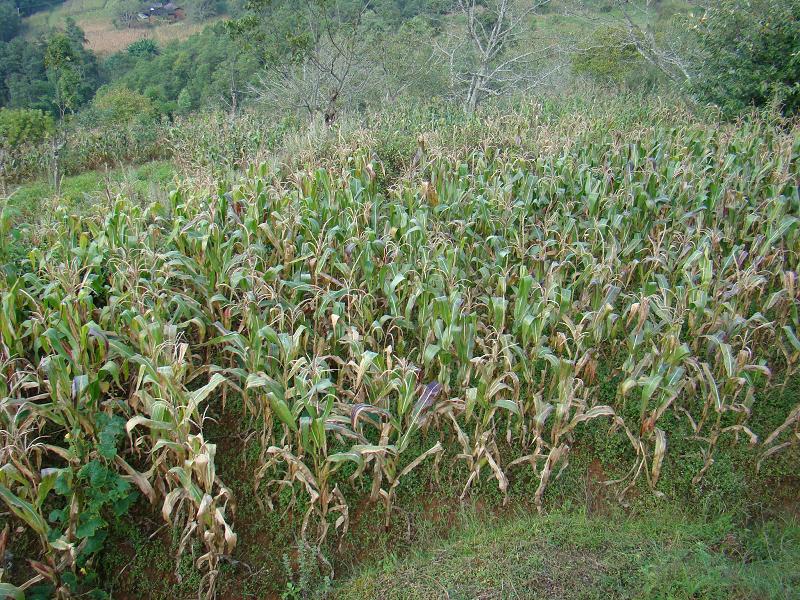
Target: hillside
[402, 300]
[523, 312]
[96, 19]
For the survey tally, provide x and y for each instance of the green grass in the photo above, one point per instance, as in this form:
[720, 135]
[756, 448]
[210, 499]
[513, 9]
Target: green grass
[80, 192]
[664, 554]
[33, 206]
[84, 9]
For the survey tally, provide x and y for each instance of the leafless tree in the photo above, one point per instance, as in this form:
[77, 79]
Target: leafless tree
[664, 50]
[488, 59]
[406, 61]
[664, 53]
[200, 10]
[332, 68]
[125, 14]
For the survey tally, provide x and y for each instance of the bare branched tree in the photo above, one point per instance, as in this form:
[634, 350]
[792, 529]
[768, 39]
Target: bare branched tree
[329, 67]
[664, 53]
[407, 62]
[488, 59]
[664, 50]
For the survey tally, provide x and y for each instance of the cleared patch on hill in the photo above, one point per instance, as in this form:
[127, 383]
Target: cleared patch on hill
[95, 17]
[104, 38]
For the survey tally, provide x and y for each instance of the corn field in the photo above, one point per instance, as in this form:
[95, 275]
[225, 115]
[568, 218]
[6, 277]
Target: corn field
[476, 298]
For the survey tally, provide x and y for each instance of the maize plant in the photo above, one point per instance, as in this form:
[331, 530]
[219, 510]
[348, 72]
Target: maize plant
[314, 468]
[483, 309]
[398, 425]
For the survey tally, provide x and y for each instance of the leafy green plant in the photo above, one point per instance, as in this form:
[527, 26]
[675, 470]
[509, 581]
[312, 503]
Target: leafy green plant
[482, 312]
[748, 55]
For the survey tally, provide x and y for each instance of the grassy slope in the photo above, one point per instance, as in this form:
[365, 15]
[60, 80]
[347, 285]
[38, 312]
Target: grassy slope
[95, 18]
[35, 204]
[80, 192]
[663, 554]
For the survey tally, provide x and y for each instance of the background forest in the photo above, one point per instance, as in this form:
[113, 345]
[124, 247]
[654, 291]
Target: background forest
[317, 59]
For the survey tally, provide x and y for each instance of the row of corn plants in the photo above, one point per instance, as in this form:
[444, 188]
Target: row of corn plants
[476, 298]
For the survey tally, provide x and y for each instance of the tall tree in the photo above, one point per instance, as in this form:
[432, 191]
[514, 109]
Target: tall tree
[23, 81]
[488, 57]
[9, 21]
[62, 66]
[317, 57]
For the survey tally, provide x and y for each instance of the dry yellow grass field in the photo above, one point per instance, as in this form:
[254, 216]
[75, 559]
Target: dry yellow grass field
[94, 17]
[104, 38]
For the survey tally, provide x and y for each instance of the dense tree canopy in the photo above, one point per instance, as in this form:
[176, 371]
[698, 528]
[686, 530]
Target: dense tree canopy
[28, 7]
[9, 21]
[206, 69]
[750, 54]
[54, 72]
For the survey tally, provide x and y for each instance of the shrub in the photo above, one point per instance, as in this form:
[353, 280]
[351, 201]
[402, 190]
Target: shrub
[145, 47]
[23, 125]
[121, 105]
[750, 54]
[609, 56]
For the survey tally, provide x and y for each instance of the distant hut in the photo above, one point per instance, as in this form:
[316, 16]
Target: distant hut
[172, 11]
[158, 10]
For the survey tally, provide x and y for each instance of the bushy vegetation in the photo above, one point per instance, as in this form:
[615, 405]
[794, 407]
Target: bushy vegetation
[54, 73]
[9, 21]
[291, 294]
[750, 54]
[23, 126]
[28, 7]
[207, 69]
[120, 106]
[484, 297]
[609, 56]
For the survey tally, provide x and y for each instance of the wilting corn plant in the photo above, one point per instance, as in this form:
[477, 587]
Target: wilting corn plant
[398, 424]
[24, 485]
[476, 299]
[313, 467]
[496, 394]
[569, 409]
[183, 467]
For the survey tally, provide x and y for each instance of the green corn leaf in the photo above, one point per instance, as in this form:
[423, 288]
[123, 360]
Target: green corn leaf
[282, 411]
[430, 353]
[792, 337]
[198, 396]
[24, 510]
[11, 591]
[341, 457]
[508, 405]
